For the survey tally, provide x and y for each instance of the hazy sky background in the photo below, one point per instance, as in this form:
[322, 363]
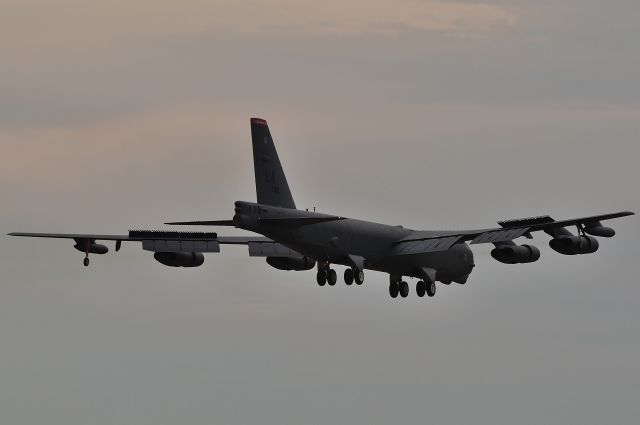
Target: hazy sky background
[125, 114]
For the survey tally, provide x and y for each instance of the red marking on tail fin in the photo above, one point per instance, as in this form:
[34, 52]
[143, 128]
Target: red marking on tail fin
[258, 121]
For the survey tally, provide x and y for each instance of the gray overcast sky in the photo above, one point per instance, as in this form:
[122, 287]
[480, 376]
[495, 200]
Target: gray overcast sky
[125, 114]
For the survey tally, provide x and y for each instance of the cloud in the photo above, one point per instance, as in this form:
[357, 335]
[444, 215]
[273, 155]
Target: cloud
[45, 155]
[78, 23]
[365, 17]
[74, 60]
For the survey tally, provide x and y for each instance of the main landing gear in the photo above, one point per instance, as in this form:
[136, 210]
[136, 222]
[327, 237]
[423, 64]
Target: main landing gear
[348, 276]
[399, 287]
[351, 275]
[328, 275]
[423, 287]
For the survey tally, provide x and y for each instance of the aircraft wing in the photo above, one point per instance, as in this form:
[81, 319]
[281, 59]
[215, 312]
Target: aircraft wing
[71, 236]
[419, 243]
[171, 242]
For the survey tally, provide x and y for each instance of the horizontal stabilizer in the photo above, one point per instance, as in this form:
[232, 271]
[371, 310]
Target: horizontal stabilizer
[202, 223]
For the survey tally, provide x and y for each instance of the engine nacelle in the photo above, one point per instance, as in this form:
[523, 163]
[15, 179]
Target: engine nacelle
[597, 229]
[516, 254]
[91, 247]
[289, 263]
[179, 259]
[572, 245]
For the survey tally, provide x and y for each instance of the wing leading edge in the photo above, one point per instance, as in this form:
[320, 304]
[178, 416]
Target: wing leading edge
[171, 242]
[509, 230]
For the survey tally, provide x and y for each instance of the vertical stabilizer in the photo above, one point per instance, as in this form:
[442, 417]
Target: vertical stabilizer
[271, 184]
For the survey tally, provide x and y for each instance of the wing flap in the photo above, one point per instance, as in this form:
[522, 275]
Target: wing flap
[424, 245]
[500, 235]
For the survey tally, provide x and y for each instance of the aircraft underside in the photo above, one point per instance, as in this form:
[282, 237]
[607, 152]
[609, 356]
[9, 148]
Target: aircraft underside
[454, 265]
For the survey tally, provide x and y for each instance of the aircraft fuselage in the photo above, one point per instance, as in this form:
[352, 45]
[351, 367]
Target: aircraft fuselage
[329, 241]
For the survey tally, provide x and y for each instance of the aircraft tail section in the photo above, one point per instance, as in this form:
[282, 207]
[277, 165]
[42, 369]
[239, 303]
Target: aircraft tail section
[271, 183]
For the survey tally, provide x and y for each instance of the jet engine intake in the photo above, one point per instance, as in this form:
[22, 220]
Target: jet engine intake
[572, 245]
[597, 229]
[291, 263]
[516, 254]
[179, 259]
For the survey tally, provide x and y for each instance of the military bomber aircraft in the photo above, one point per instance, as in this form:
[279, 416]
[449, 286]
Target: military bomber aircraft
[293, 239]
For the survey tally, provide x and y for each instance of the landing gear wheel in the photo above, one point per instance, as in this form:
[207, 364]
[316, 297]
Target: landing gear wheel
[431, 289]
[348, 276]
[359, 277]
[393, 289]
[421, 288]
[332, 277]
[85, 261]
[321, 277]
[404, 289]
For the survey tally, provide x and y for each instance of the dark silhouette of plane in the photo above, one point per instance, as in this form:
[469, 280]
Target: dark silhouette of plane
[294, 239]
